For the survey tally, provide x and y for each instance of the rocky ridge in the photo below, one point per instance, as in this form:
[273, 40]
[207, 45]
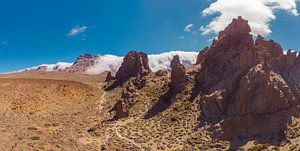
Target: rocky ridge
[248, 83]
[238, 80]
[178, 75]
[135, 64]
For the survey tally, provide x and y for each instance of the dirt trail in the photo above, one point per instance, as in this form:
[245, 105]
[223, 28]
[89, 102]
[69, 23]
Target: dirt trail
[123, 123]
[101, 101]
[127, 139]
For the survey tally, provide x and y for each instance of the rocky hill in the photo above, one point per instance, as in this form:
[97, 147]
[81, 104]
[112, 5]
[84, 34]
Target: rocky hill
[240, 90]
[237, 94]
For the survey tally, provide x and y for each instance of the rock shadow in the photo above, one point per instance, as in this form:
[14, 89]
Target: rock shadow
[113, 85]
[163, 103]
[262, 128]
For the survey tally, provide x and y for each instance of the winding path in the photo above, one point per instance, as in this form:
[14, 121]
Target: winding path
[119, 124]
[101, 101]
[127, 139]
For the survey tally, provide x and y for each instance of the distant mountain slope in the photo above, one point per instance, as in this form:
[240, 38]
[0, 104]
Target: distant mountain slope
[49, 67]
[96, 64]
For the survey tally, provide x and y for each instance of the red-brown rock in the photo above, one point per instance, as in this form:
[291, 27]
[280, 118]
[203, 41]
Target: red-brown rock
[254, 85]
[267, 50]
[135, 64]
[109, 77]
[160, 73]
[128, 98]
[178, 75]
[233, 51]
[201, 56]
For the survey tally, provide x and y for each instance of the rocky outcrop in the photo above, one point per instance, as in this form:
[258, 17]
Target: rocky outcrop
[109, 77]
[233, 51]
[128, 97]
[135, 64]
[160, 73]
[133, 74]
[82, 64]
[178, 75]
[252, 84]
[201, 56]
[267, 50]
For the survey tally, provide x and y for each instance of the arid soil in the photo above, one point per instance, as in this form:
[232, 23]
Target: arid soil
[55, 111]
[242, 95]
[48, 112]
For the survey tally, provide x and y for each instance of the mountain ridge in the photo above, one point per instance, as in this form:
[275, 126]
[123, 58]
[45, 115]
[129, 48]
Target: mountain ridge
[95, 64]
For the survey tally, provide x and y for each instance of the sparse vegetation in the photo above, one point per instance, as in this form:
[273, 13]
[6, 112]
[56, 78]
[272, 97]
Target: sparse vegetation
[55, 124]
[259, 147]
[35, 138]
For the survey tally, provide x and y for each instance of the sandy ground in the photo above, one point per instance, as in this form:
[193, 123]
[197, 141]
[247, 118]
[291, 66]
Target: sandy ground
[58, 111]
[48, 112]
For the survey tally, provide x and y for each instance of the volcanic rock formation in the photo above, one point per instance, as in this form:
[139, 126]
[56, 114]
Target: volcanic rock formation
[161, 73]
[201, 55]
[253, 85]
[109, 77]
[178, 75]
[128, 98]
[135, 64]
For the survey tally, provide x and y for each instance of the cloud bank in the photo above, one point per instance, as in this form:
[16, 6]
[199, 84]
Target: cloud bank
[259, 13]
[50, 67]
[112, 63]
[162, 61]
[156, 61]
[105, 63]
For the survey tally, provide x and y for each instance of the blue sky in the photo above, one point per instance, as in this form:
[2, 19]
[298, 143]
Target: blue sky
[34, 32]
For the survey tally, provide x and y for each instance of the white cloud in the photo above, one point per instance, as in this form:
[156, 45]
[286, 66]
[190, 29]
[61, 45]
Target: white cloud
[162, 61]
[188, 28]
[48, 67]
[156, 61]
[105, 63]
[77, 30]
[259, 13]
[112, 63]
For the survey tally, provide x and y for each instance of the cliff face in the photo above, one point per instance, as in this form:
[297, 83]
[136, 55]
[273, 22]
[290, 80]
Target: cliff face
[241, 80]
[178, 75]
[244, 88]
[133, 72]
[135, 64]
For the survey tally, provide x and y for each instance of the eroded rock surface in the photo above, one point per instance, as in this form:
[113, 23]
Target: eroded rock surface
[128, 97]
[135, 64]
[178, 75]
[109, 77]
[251, 84]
